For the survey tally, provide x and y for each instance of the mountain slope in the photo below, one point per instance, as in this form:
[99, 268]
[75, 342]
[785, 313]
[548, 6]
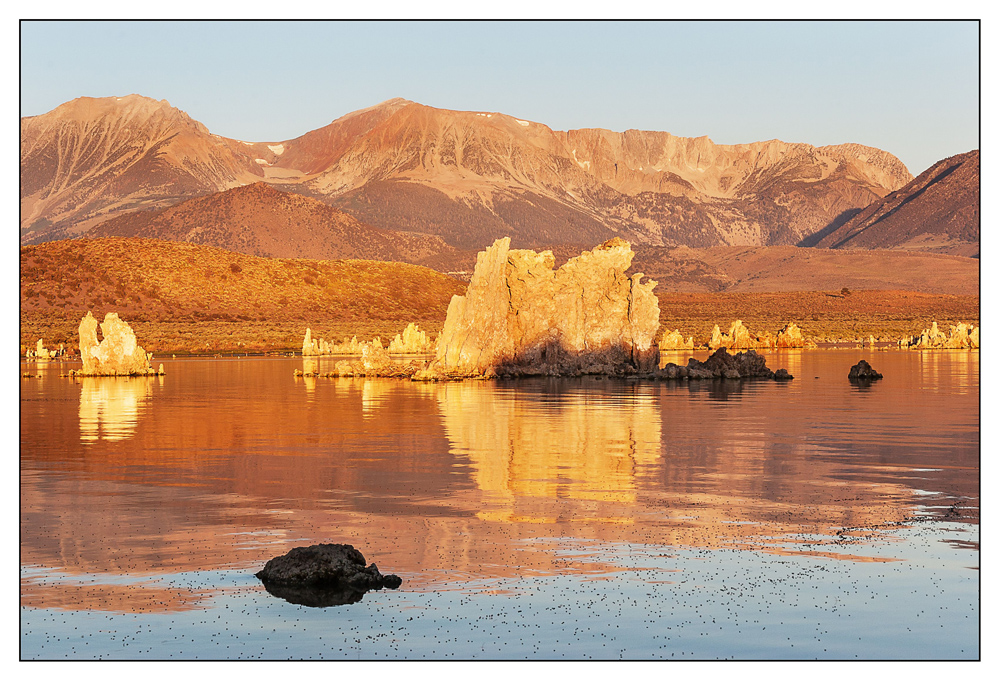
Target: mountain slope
[466, 176]
[92, 157]
[936, 212]
[506, 176]
[257, 219]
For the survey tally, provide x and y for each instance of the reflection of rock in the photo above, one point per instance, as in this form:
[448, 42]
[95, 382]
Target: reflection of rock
[109, 408]
[323, 574]
[958, 337]
[723, 365]
[118, 354]
[585, 447]
[675, 341]
[314, 596]
[863, 371]
[738, 338]
[521, 317]
[412, 341]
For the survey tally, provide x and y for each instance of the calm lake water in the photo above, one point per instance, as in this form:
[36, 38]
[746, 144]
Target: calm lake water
[538, 519]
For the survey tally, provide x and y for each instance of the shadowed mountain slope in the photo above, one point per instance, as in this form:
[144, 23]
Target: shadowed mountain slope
[258, 219]
[937, 212]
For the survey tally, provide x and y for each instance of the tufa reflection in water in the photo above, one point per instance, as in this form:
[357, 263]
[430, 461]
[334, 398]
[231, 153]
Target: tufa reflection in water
[585, 446]
[110, 406]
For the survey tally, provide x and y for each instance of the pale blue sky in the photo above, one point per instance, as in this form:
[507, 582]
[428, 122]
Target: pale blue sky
[911, 88]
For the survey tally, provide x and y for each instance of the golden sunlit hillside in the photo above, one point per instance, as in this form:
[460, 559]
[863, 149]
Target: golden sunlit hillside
[182, 297]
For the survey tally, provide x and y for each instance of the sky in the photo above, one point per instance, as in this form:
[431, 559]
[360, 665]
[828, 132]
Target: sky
[908, 87]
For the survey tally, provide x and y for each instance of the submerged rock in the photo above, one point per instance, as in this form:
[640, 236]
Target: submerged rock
[322, 575]
[863, 371]
[118, 354]
[520, 316]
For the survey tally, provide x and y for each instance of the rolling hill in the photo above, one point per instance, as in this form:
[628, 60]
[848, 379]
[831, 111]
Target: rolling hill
[257, 219]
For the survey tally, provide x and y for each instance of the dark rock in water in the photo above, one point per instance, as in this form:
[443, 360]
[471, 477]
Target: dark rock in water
[782, 375]
[723, 365]
[322, 575]
[863, 371]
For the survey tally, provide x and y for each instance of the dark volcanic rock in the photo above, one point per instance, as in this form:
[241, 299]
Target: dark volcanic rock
[723, 365]
[863, 371]
[323, 575]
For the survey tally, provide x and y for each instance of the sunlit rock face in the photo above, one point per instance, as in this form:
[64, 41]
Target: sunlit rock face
[40, 351]
[738, 338]
[412, 341]
[958, 337]
[520, 316]
[791, 337]
[373, 360]
[118, 354]
[675, 341]
[312, 347]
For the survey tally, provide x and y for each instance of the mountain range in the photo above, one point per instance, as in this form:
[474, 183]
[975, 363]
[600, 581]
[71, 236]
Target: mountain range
[404, 177]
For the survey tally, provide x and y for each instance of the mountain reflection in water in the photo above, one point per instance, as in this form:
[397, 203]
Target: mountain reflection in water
[222, 464]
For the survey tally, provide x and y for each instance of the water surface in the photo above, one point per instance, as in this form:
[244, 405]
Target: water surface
[543, 518]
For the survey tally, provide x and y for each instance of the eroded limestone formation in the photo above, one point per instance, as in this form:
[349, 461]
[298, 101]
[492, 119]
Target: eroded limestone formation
[412, 341]
[40, 351]
[312, 347]
[738, 338]
[790, 336]
[118, 354]
[520, 316]
[374, 360]
[675, 341]
[958, 337]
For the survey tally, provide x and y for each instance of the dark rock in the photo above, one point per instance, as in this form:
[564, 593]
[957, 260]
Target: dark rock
[323, 574]
[782, 375]
[723, 365]
[863, 371]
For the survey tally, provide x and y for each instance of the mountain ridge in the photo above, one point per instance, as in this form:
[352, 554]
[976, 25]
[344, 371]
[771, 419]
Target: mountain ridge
[466, 176]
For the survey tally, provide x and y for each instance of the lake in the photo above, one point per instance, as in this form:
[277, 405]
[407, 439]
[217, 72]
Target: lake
[529, 519]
